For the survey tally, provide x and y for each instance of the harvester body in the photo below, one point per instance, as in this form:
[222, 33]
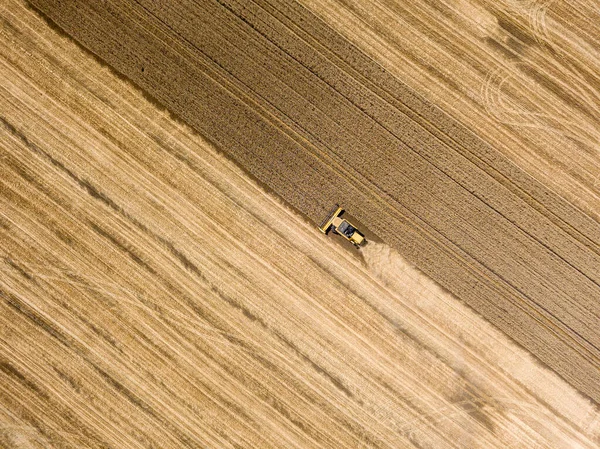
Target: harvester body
[342, 227]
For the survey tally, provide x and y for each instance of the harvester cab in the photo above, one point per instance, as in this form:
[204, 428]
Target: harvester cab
[342, 227]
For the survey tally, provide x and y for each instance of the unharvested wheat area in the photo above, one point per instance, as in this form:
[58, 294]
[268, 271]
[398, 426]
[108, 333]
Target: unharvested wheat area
[163, 283]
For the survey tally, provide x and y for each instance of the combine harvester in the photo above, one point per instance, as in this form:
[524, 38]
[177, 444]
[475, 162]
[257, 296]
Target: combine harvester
[342, 227]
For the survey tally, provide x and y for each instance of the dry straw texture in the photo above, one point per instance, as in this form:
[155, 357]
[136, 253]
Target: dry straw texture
[152, 295]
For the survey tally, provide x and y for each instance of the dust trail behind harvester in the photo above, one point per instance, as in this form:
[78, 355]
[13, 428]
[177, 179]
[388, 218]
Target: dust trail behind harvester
[477, 351]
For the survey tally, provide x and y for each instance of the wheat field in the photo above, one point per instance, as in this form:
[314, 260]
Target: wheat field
[153, 294]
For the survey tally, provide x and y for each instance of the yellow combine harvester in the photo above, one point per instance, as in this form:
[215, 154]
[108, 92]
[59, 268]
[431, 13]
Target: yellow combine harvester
[341, 227]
